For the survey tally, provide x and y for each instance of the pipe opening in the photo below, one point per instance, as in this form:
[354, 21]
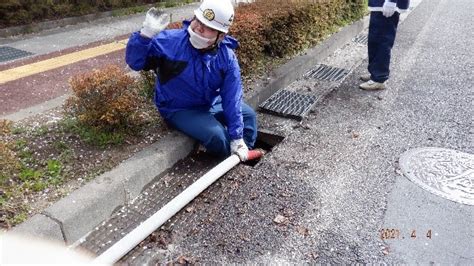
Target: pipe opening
[266, 140]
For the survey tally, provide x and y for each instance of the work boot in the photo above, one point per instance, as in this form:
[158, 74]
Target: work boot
[372, 86]
[365, 77]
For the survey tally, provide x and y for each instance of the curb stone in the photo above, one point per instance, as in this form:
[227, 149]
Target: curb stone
[77, 214]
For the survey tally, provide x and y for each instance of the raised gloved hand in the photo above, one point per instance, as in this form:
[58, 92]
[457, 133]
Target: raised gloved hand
[388, 8]
[155, 21]
[237, 146]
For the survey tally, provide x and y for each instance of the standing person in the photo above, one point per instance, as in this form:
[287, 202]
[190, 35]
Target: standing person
[198, 88]
[384, 17]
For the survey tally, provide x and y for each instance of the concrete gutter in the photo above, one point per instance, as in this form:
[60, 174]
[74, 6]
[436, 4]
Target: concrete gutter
[77, 214]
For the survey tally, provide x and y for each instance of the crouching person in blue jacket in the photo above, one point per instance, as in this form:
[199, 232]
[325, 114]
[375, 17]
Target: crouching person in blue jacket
[198, 88]
[384, 17]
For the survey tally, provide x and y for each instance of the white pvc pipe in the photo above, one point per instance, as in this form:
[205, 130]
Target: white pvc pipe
[132, 239]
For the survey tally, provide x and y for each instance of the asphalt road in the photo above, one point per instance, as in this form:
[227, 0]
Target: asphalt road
[325, 193]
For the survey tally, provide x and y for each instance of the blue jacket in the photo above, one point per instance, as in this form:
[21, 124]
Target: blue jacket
[402, 5]
[188, 78]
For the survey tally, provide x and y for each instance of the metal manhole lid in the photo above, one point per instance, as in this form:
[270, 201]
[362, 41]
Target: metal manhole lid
[443, 172]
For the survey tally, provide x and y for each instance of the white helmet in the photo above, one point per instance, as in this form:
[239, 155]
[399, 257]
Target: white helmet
[216, 14]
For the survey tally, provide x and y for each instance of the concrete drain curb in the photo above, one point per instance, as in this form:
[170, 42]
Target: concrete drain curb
[77, 214]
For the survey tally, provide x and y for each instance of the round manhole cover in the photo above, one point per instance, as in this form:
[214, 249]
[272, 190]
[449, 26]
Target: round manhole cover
[446, 173]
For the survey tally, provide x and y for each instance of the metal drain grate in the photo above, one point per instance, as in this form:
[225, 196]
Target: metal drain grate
[289, 104]
[328, 73]
[362, 39]
[9, 53]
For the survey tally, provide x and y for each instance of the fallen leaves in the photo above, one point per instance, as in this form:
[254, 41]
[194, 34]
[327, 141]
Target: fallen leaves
[184, 260]
[281, 220]
[302, 231]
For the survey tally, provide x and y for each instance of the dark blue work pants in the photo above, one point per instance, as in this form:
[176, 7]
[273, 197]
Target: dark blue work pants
[382, 31]
[208, 127]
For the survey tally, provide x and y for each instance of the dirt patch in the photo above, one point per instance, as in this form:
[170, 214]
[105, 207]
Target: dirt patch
[54, 161]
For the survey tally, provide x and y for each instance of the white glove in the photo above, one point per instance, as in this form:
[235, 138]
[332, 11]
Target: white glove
[155, 21]
[388, 8]
[237, 146]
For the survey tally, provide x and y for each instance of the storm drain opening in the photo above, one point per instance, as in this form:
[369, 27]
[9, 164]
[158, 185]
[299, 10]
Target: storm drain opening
[326, 73]
[266, 141]
[8, 53]
[289, 104]
[361, 39]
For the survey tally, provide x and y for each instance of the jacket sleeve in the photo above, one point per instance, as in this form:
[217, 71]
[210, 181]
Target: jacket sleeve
[231, 94]
[137, 50]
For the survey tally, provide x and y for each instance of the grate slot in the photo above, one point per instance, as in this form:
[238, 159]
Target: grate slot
[328, 74]
[339, 74]
[315, 72]
[362, 39]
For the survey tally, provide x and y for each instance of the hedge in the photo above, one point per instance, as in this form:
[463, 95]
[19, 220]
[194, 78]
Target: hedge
[267, 28]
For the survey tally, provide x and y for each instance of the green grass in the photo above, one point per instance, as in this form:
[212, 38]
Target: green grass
[18, 130]
[19, 218]
[129, 11]
[29, 174]
[20, 144]
[91, 135]
[54, 169]
[61, 146]
[40, 131]
[23, 151]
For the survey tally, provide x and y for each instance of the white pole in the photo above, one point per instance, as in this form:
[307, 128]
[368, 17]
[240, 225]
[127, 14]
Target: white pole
[132, 239]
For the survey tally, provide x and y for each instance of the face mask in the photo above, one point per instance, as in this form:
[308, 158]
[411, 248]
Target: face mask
[198, 41]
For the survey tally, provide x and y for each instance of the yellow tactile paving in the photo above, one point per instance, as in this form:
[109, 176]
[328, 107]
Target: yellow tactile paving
[56, 62]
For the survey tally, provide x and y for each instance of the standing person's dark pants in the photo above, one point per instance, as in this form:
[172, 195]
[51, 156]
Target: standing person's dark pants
[382, 31]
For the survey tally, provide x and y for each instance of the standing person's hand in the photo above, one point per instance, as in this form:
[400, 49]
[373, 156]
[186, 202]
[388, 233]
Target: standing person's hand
[388, 8]
[155, 21]
[237, 146]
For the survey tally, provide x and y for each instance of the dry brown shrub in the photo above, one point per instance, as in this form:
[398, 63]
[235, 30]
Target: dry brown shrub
[106, 99]
[5, 127]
